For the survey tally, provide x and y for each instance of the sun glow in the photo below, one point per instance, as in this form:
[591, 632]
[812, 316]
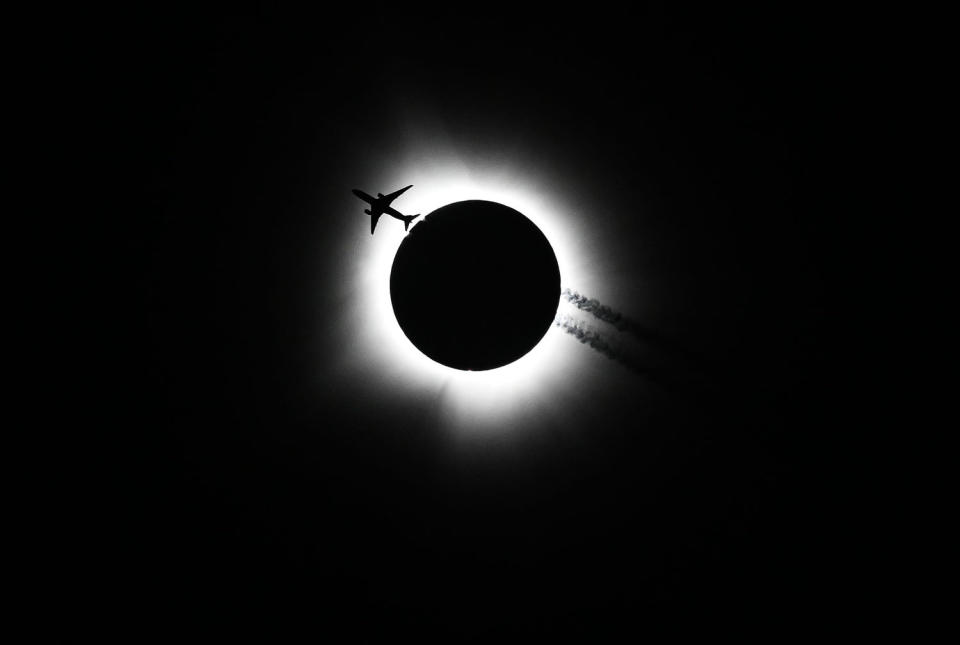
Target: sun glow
[492, 401]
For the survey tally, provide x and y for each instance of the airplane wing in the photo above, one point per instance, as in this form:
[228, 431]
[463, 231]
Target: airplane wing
[373, 221]
[392, 196]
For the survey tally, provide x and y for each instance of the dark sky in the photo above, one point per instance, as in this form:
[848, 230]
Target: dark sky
[262, 475]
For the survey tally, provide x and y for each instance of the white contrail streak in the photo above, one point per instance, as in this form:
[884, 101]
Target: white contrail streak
[623, 323]
[609, 347]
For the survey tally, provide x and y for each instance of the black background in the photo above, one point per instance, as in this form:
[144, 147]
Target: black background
[235, 500]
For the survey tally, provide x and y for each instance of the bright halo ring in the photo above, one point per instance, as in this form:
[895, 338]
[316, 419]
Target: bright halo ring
[497, 399]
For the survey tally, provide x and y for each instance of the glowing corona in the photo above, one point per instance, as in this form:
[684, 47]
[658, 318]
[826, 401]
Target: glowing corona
[498, 400]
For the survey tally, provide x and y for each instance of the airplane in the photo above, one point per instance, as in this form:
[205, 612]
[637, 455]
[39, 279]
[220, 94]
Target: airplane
[381, 204]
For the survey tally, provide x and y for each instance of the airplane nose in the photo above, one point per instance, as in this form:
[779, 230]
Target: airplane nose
[356, 192]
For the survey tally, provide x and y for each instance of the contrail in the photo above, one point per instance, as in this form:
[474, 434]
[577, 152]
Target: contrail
[636, 348]
[692, 377]
[585, 335]
[622, 323]
[604, 313]
[610, 348]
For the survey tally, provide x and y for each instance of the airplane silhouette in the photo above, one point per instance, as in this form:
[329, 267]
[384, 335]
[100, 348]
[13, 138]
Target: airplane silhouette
[381, 204]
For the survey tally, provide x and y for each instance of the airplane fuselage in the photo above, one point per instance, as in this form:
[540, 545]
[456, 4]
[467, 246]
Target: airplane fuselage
[377, 207]
[381, 204]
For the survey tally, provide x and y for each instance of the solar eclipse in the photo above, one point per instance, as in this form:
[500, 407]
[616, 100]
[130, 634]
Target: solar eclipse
[507, 426]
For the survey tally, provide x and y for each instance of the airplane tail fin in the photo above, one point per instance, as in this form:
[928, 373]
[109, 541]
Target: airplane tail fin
[407, 219]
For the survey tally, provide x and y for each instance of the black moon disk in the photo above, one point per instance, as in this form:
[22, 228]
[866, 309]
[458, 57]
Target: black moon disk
[475, 285]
